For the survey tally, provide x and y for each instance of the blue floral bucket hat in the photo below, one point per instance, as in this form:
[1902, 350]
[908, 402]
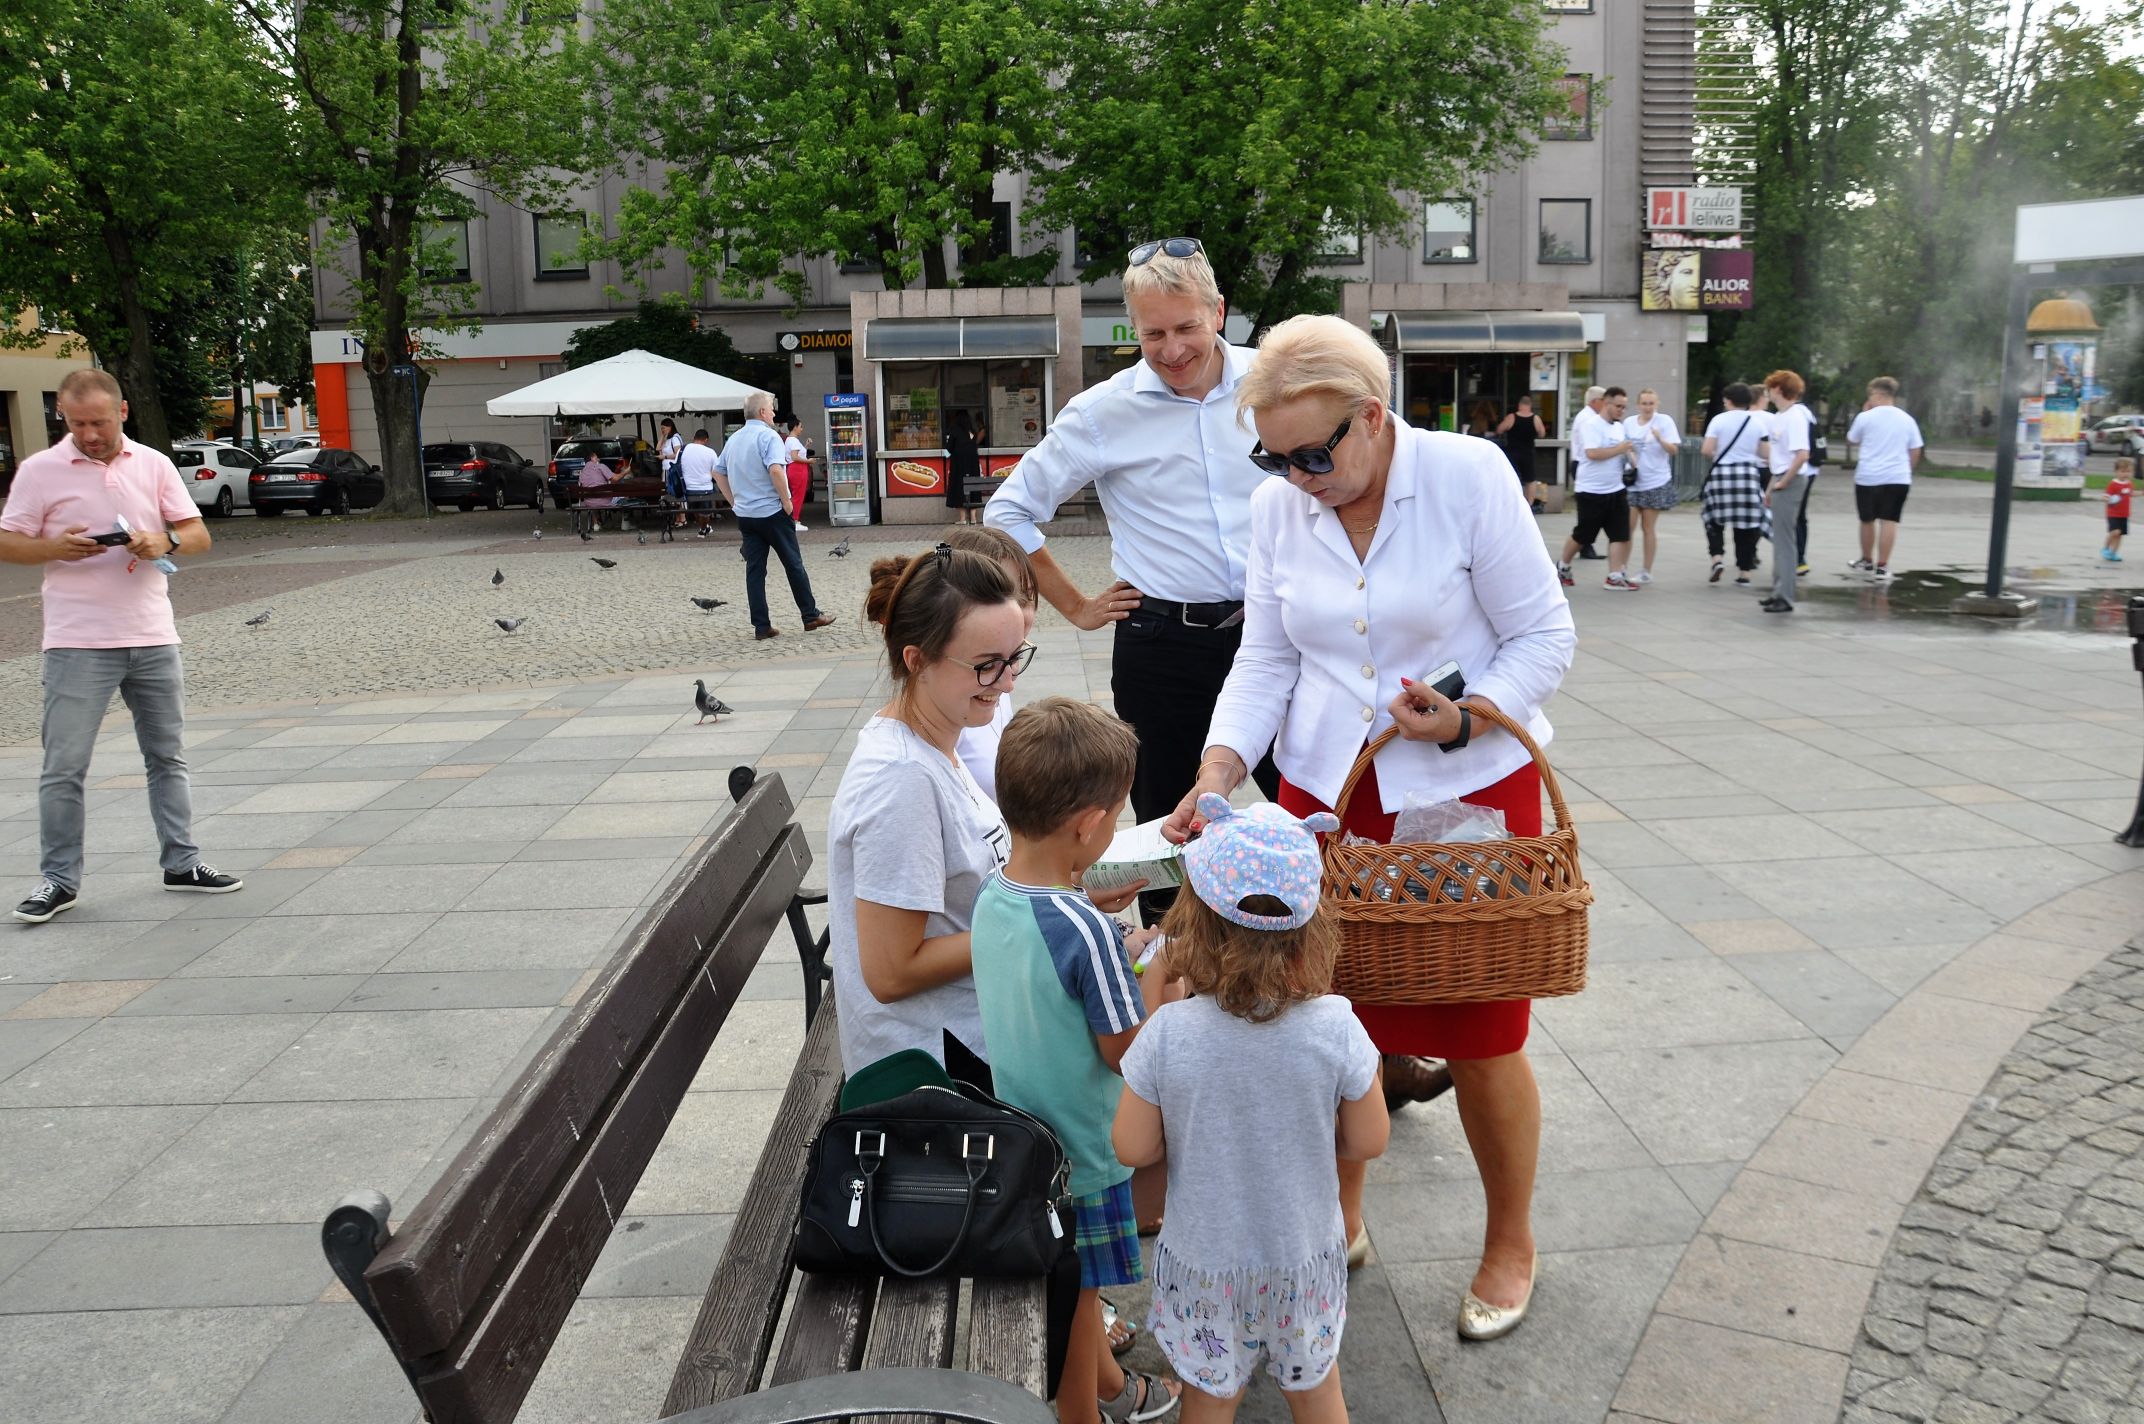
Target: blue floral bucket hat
[1258, 850]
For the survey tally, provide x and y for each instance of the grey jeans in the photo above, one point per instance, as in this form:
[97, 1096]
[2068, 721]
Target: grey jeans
[79, 683]
[1786, 509]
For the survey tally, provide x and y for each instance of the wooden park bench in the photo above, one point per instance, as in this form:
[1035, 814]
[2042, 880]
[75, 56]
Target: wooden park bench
[471, 1290]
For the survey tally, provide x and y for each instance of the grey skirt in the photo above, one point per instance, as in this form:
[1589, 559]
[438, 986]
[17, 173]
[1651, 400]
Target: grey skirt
[1658, 497]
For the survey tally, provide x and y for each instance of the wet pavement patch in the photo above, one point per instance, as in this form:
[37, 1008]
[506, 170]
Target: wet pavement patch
[1918, 594]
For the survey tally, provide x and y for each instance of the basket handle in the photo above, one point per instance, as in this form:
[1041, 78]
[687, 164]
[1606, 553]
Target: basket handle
[1493, 717]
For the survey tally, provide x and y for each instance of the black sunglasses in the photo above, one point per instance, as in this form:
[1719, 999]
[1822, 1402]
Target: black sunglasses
[1174, 246]
[1311, 459]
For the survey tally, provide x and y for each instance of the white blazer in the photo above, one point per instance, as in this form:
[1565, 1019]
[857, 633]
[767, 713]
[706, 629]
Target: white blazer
[1456, 572]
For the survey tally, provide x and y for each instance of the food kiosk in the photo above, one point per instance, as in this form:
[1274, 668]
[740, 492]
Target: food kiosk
[996, 373]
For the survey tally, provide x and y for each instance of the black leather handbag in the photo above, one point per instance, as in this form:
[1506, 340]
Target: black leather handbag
[938, 1181]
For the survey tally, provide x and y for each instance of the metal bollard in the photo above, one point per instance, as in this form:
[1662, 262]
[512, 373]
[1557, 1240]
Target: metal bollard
[2134, 836]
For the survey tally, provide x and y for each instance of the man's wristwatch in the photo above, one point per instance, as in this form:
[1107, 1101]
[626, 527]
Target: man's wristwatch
[1466, 731]
[174, 543]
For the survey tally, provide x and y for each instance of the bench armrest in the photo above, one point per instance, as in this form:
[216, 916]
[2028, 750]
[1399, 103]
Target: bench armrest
[942, 1394]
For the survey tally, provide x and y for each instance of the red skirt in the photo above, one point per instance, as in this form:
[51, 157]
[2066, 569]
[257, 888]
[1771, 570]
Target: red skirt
[1440, 1030]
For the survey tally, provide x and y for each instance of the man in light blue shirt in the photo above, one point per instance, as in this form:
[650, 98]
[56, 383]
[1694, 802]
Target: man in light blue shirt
[1161, 446]
[753, 470]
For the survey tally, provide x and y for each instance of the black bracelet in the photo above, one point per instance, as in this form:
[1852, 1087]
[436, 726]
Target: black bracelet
[1466, 731]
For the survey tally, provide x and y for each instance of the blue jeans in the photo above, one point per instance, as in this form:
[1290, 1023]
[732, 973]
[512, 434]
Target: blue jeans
[79, 683]
[778, 532]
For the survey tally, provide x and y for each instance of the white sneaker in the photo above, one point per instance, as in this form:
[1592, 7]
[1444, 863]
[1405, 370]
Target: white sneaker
[1642, 576]
[802, 527]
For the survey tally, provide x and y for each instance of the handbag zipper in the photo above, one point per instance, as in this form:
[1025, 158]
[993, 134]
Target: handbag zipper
[947, 1192]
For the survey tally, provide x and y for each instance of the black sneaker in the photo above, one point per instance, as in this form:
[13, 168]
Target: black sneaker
[46, 901]
[1587, 551]
[1776, 605]
[202, 880]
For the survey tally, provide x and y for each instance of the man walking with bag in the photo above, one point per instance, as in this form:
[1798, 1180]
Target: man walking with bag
[108, 628]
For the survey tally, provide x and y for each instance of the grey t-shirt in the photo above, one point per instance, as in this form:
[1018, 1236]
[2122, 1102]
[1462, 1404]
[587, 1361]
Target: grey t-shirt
[1250, 1111]
[911, 829]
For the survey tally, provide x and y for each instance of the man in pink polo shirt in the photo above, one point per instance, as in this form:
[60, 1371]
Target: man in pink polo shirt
[108, 628]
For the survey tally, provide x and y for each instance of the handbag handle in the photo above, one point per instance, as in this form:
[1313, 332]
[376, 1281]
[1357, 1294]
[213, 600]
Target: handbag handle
[960, 1237]
[1491, 715]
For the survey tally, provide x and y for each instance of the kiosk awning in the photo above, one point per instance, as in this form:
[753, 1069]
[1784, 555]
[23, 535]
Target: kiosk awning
[941, 338]
[1463, 331]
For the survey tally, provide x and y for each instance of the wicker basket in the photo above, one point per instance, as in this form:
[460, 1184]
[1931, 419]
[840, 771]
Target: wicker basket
[1455, 924]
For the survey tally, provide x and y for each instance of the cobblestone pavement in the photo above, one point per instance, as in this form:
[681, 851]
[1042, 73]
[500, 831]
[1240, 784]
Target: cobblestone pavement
[355, 619]
[2015, 1286]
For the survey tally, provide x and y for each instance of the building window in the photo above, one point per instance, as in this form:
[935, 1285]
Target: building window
[1338, 246]
[1568, 7]
[1001, 229]
[1578, 122]
[558, 246]
[445, 252]
[1002, 399]
[856, 265]
[272, 416]
[1567, 230]
[1448, 231]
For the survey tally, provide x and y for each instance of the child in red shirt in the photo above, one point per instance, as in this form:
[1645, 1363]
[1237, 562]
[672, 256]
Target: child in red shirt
[2118, 509]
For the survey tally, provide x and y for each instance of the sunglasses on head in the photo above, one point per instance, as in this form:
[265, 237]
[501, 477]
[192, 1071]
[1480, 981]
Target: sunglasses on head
[1174, 246]
[1311, 459]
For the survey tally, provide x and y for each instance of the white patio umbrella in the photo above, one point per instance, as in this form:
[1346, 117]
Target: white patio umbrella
[630, 383]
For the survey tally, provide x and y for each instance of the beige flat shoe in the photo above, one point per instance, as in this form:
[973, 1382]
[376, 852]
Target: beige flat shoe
[1479, 1320]
[1358, 1250]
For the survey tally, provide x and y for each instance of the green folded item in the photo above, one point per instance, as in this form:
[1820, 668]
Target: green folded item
[891, 1076]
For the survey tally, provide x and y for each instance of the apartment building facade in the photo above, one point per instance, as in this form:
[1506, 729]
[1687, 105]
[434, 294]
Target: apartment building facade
[1528, 285]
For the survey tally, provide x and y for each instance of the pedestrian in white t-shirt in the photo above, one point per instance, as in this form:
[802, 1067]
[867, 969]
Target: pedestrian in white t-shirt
[1789, 486]
[1603, 453]
[1890, 442]
[1654, 442]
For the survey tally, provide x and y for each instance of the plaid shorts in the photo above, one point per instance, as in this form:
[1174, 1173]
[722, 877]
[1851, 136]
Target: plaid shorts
[1106, 1231]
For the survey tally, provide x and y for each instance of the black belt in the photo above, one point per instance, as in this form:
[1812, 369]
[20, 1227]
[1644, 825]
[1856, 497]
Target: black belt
[1196, 615]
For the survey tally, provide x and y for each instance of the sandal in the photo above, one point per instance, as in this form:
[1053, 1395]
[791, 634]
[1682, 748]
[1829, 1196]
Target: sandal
[1137, 1401]
[1121, 1333]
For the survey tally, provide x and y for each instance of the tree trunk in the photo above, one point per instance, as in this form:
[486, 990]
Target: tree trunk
[137, 367]
[396, 415]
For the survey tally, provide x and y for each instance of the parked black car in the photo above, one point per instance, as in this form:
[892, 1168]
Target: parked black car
[316, 481]
[467, 473]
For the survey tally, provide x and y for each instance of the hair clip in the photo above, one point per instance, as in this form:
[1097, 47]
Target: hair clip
[944, 555]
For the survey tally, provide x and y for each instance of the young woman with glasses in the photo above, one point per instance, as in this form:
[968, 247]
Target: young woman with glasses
[1378, 553]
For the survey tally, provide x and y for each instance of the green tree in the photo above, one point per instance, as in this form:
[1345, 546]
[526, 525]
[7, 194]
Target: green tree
[868, 129]
[406, 109]
[1264, 127]
[140, 140]
[665, 328]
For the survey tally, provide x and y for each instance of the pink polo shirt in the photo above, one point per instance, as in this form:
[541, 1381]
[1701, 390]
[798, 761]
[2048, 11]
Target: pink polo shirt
[110, 599]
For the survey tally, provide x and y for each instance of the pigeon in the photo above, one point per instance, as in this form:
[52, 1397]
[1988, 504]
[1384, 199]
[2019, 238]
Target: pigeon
[538, 534]
[498, 576]
[640, 536]
[508, 625]
[708, 605]
[259, 618]
[587, 538]
[841, 550]
[603, 563]
[709, 704]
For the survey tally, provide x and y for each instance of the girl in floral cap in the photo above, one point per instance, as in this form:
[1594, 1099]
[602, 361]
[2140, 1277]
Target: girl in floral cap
[1249, 1082]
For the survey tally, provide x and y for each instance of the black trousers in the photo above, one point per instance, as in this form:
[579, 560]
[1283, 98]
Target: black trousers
[1746, 541]
[1166, 677]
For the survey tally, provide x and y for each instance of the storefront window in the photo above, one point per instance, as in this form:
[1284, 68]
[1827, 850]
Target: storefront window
[1577, 375]
[1099, 363]
[1004, 399]
[1016, 408]
[912, 406]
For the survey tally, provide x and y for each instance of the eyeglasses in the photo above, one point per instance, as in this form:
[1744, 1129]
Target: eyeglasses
[989, 670]
[1174, 246]
[1311, 459]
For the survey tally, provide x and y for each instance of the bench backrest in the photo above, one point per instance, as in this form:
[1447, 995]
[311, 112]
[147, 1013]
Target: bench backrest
[474, 1287]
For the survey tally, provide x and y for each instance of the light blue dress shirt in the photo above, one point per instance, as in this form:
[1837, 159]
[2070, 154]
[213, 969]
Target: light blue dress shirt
[744, 459]
[1174, 476]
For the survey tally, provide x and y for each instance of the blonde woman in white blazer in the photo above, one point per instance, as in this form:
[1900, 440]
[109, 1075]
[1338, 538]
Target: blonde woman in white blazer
[1384, 552]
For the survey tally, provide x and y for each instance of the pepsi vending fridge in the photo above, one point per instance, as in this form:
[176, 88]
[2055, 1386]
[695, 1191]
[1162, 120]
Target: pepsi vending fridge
[849, 496]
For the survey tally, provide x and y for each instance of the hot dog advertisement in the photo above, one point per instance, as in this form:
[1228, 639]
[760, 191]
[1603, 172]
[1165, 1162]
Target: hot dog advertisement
[917, 477]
